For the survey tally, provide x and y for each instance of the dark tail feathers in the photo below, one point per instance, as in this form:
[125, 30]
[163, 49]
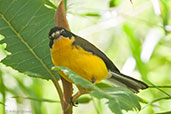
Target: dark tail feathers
[126, 81]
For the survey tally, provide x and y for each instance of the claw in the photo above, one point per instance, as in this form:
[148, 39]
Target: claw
[73, 103]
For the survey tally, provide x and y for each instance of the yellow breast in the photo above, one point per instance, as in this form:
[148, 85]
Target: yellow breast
[85, 64]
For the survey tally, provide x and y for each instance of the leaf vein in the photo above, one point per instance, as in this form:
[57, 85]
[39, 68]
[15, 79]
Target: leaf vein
[8, 7]
[40, 30]
[45, 56]
[2, 28]
[36, 34]
[39, 43]
[19, 10]
[35, 67]
[24, 61]
[24, 26]
[12, 44]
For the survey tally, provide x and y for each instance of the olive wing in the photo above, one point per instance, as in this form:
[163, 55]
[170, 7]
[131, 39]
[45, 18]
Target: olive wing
[86, 45]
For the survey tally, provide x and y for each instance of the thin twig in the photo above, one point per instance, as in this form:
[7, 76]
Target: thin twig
[157, 87]
[36, 99]
[59, 90]
[160, 87]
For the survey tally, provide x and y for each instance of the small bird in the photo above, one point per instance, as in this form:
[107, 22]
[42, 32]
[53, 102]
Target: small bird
[79, 55]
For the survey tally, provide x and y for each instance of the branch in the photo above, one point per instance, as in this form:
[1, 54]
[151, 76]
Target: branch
[61, 21]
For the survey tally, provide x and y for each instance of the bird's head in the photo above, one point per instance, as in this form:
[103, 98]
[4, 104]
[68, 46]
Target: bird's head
[58, 32]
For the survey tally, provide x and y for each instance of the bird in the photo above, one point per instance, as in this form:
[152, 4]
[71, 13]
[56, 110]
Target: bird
[85, 59]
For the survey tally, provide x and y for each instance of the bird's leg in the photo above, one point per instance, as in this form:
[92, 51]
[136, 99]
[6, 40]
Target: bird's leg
[81, 91]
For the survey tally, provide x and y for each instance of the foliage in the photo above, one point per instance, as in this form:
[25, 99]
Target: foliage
[118, 98]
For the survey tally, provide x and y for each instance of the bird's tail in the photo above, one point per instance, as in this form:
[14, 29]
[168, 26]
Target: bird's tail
[122, 80]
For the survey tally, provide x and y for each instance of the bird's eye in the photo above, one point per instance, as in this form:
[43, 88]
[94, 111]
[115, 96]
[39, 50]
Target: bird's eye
[62, 30]
[63, 33]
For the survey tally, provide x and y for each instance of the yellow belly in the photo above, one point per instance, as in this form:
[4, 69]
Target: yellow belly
[85, 64]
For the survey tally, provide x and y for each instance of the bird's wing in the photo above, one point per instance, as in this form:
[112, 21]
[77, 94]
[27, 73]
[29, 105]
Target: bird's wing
[93, 49]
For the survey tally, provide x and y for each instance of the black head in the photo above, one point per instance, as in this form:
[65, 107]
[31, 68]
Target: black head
[56, 32]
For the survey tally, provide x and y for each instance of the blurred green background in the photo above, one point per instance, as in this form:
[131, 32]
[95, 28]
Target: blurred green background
[137, 38]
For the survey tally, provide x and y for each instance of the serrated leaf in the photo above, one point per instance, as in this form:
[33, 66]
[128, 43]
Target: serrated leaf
[118, 99]
[25, 26]
[74, 77]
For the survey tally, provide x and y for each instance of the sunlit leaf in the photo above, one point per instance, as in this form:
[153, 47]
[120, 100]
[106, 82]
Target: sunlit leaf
[165, 12]
[49, 3]
[2, 90]
[135, 46]
[65, 5]
[2, 103]
[114, 3]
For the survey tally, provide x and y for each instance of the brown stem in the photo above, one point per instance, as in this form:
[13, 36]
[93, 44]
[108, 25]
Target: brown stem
[60, 16]
[67, 89]
[61, 21]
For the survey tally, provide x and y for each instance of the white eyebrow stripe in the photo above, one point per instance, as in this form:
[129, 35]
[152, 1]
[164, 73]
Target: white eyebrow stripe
[53, 34]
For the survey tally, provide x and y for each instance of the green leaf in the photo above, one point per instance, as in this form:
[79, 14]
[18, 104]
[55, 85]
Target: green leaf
[65, 5]
[49, 3]
[74, 77]
[165, 14]
[135, 46]
[91, 14]
[2, 103]
[25, 26]
[103, 85]
[118, 99]
[165, 11]
[114, 3]
[2, 93]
